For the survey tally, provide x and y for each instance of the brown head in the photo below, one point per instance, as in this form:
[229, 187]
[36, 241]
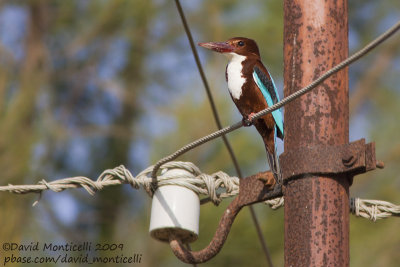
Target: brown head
[238, 45]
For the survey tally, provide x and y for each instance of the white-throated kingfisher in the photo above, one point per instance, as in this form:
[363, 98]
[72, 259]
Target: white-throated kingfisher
[252, 90]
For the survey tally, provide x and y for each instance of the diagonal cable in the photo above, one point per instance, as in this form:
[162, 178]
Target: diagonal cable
[219, 125]
[207, 87]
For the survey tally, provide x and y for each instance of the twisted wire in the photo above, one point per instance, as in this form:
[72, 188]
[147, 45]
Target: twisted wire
[373, 209]
[216, 186]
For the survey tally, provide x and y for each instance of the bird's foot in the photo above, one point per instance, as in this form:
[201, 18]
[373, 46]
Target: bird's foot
[249, 120]
[269, 181]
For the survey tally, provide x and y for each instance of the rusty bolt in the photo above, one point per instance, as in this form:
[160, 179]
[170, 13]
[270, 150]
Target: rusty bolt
[380, 164]
[349, 160]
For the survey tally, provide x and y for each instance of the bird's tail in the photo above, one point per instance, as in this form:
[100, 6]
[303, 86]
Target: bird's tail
[273, 162]
[269, 138]
[272, 155]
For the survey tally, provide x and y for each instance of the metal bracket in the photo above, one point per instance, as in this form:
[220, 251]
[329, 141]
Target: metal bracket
[354, 158]
[252, 189]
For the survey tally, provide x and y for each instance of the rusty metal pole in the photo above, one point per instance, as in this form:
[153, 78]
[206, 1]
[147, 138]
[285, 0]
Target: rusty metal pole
[316, 208]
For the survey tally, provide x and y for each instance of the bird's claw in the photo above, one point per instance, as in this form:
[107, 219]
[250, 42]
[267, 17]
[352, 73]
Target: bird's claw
[268, 181]
[248, 121]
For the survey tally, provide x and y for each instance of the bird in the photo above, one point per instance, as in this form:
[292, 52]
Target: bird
[252, 89]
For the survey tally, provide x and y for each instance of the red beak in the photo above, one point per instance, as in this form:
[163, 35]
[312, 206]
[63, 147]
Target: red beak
[218, 47]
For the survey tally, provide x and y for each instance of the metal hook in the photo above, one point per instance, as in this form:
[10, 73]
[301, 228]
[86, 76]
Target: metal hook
[252, 190]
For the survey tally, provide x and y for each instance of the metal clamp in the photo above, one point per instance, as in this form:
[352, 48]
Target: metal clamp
[354, 158]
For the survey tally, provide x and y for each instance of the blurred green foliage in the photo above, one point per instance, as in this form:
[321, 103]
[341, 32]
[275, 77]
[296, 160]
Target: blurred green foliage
[89, 85]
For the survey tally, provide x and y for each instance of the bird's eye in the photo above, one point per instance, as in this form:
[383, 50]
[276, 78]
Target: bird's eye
[241, 43]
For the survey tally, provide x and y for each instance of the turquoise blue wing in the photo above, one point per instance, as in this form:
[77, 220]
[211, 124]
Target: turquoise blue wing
[268, 89]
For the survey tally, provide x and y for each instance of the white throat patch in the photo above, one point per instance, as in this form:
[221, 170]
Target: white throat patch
[234, 72]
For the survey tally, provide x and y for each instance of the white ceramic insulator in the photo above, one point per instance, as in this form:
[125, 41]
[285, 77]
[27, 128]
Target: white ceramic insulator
[175, 209]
